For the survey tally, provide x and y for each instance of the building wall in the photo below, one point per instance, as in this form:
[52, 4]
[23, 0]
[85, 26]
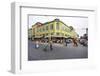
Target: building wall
[54, 28]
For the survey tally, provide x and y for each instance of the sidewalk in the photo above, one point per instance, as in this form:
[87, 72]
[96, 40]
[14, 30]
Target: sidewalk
[54, 44]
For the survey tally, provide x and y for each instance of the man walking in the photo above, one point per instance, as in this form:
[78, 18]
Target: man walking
[51, 47]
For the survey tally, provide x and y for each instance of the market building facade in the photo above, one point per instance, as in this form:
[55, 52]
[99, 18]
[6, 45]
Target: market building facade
[55, 30]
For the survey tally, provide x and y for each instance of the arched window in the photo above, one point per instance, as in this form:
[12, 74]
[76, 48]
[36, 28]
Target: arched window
[57, 26]
[51, 27]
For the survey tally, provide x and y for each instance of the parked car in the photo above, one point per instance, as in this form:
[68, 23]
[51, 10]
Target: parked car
[68, 40]
[83, 42]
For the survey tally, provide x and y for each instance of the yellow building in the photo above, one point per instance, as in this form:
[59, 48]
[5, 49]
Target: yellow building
[54, 30]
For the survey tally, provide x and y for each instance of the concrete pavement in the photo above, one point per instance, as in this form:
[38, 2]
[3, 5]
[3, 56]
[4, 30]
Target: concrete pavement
[58, 52]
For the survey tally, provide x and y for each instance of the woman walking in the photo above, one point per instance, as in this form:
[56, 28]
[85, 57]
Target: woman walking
[37, 45]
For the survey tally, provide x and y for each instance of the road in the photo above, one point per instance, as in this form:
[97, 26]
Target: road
[58, 52]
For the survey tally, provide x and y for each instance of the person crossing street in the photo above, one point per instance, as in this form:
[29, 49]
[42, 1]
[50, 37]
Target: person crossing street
[51, 47]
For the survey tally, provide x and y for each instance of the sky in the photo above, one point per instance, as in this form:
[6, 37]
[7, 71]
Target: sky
[79, 23]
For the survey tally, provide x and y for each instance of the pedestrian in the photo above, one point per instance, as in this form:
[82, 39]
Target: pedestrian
[66, 41]
[75, 41]
[45, 48]
[51, 47]
[37, 45]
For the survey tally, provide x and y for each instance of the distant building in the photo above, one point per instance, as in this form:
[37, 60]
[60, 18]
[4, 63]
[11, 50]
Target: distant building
[55, 30]
[30, 33]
